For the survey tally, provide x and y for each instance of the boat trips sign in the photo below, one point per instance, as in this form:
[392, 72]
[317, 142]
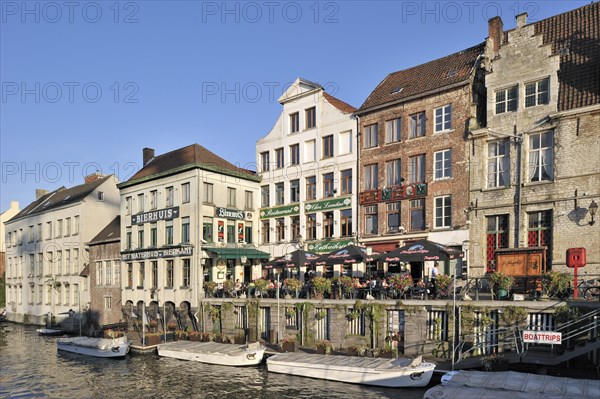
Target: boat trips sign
[542, 337]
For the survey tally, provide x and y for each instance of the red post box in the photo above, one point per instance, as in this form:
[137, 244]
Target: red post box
[575, 259]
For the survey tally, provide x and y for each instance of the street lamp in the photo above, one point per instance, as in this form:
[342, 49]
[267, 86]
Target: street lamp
[593, 208]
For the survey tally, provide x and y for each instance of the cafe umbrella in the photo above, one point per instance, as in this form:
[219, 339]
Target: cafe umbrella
[347, 255]
[421, 251]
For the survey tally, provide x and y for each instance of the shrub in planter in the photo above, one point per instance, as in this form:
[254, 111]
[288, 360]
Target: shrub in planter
[321, 286]
[288, 344]
[324, 348]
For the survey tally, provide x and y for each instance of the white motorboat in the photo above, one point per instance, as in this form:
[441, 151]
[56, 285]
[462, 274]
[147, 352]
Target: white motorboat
[97, 347]
[395, 373]
[50, 331]
[510, 385]
[213, 352]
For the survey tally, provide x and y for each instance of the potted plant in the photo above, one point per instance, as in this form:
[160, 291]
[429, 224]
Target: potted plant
[288, 344]
[151, 339]
[556, 284]
[181, 335]
[261, 287]
[290, 312]
[324, 347]
[321, 286]
[501, 283]
[207, 337]
[401, 283]
[347, 285]
[292, 285]
[195, 336]
[442, 283]
[320, 314]
[210, 287]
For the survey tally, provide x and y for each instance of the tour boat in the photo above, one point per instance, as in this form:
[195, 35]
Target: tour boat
[97, 347]
[213, 352]
[510, 385]
[394, 373]
[49, 331]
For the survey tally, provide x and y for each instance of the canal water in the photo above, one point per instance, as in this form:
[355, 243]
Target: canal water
[30, 367]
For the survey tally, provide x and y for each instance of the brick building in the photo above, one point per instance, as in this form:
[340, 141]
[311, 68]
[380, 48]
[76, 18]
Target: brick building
[536, 165]
[414, 156]
[104, 273]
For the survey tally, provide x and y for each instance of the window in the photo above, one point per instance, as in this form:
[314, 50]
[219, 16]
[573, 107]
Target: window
[417, 125]
[154, 266]
[169, 195]
[108, 302]
[539, 231]
[130, 275]
[417, 168]
[264, 196]
[393, 216]
[392, 173]
[536, 93]
[295, 191]
[100, 195]
[310, 151]
[392, 131]
[185, 193]
[59, 228]
[294, 122]
[185, 273]
[442, 164]
[311, 187]
[496, 237]
[371, 136]
[345, 143]
[264, 158]
[443, 118]
[443, 211]
[265, 232]
[327, 224]
[371, 223]
[346, 219]
[207, 229]
[208, 193]
[279, 160]
[541, 160]
[31, 237]
[328, 187]
[231, 196]
[76, 225]
[169, 282]
[140, 237]
[128, 238]
[371, 177]
[311, 117]
[506, 100]
[169, 232]
[185, 230]
[231, 232]
[279, 194]
[99, 273]
[108, 271]
[153, 235]
[417, 214]
[280, 229]
[39, 230]
[140, 203]
[142, 274]
[498, 164]
[128, 205]
[346, 181]
[67, 227]
[153, 199]
[328, 146]
[311, 226]
[295, 227]
[249, 203]
[48, 229]
[295, 154]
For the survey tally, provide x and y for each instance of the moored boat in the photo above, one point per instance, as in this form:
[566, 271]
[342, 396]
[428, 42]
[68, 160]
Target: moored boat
[511, 384]
[213, 352]
[97, 347]
[50, 331]
[395, 373]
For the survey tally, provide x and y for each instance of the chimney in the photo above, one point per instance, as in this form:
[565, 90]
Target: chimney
[15, 204]
[521, 20]
[40, 192]
[495, 32]
[148, 155]
[93, 177]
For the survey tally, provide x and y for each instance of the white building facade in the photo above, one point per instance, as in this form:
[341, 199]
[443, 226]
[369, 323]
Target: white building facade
[46, 249]
[308, 167]
[187, 217]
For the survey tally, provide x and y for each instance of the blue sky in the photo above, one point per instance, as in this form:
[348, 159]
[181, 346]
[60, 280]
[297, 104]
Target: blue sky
[86, 85]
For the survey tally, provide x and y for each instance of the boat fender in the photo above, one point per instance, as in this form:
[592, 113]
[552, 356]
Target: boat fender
[416, 376]
[251, 356]
[115, 349]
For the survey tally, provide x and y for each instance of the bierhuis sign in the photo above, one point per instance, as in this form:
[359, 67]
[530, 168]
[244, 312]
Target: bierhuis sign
[229, 213]
[325, 205]
[279, 211]
[155, 216]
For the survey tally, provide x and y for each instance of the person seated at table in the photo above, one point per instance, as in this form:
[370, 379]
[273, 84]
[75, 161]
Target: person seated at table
[384, 283]
[271, 284]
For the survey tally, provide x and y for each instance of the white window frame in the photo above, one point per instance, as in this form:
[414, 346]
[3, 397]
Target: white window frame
[510, 101]
[442, 163]
[371, 176]
[498, 163]
[393, 129]
[442, 208]
[536, 95]
[443, 119]
[393, 172]
[371, 135]
[541, 159]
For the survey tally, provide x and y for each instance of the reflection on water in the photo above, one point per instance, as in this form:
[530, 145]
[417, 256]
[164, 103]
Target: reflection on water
[31, 367]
